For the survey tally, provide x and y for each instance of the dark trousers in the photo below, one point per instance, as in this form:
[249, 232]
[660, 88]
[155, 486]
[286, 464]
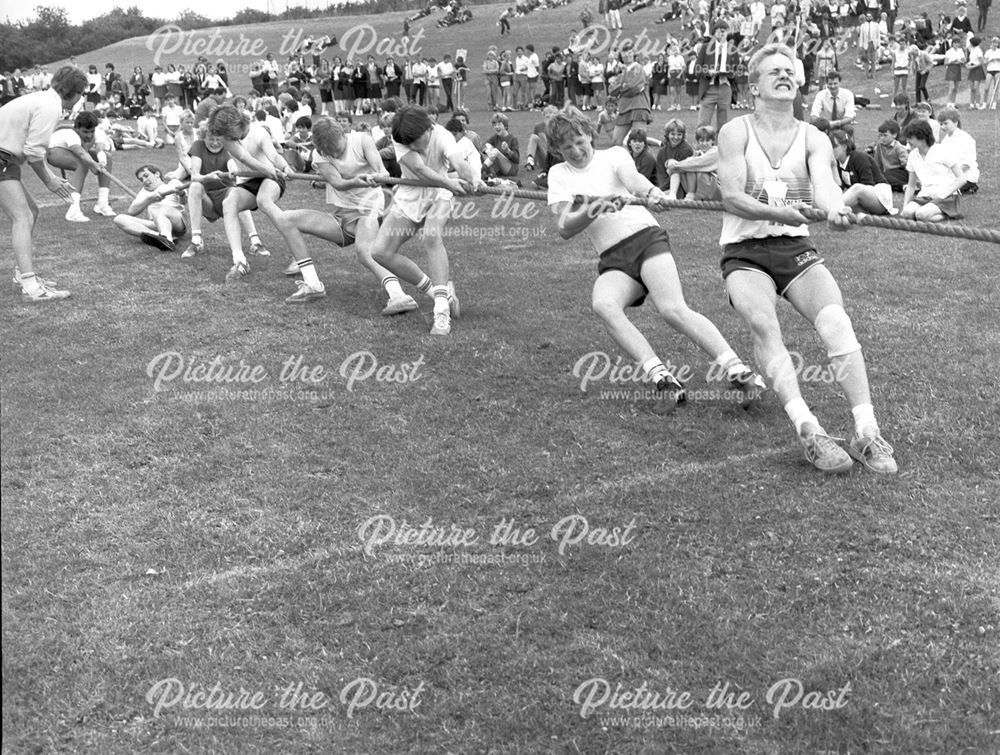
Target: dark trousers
[922, 87]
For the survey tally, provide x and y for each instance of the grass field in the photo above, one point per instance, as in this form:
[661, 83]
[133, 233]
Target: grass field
[199, 566]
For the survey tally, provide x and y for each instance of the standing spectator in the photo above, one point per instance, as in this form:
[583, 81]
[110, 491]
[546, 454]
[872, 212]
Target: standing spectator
[433, 87]
[900, 65]
[977, 73]
[491, 77]
[94, 84]
[583, 80]
[375, 83]
[954, 62]
[714, 87]
[992, 59]
[826, 59]
[325, 86]
[631, 86]
[461, 83]
[520, 78]
[158, 87]
[139, 85]
[614, 15]
[531, 75]
[557, 83]
[890, 8]
[189, 87]
[174, 89]
[113, 82]
[446, 73]
[869, 37]
[660, 83]
[171, 113]
[507, 81]
[504, 21]
[923, 62]
[597, 84]
[420, 71]
[961, 24]
[359, 79]
[675, 77]
[393, 75]
[984, 10]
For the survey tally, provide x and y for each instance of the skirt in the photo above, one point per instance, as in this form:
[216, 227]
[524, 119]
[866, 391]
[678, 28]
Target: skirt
[954, 72]
[977, 74]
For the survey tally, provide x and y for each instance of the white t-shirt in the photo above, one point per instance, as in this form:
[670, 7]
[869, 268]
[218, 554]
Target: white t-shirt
[170, 201]
[934, 171]
[964, 147]
[147, 128]
[65, 138]
[603, 176]
[471, 155]
[172, 115]
[353, 164]
[440, 150]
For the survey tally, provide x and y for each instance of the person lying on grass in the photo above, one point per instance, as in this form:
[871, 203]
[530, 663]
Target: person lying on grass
[161, 202]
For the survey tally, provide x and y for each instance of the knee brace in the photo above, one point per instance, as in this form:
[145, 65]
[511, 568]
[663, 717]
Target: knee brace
[834, 327]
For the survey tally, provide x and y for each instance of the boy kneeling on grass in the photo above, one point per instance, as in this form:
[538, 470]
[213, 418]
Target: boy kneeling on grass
[164, 210]
[635, 256]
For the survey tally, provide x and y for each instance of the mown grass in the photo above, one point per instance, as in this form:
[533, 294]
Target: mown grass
[150, 535]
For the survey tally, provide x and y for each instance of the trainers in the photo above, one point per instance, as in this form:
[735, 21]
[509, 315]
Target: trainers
[874, 453]
[46, 282]
[454, 305]
[530, 164]
[751, 387]
[158, 241]
[237, 272]
[671, 394]
[105, 210]
[192, 250]
[823, 452]
[293, 268]
[305, 293]
[259, 249]
[399, 305]
[442, 324]
[75, 215]
[43, 293]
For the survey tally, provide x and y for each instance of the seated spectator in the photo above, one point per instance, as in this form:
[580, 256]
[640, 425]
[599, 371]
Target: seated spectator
[903, 115]
[962, 144]
[147, 128]
[834, 103]
[456, 126]
[645, 163]
[890, 155]
[298, 146]
[164, 210]
[675, 147]
[936, 177]
[697, 175]
[538, 142]
[502, 156]
[923, 111]
[864, 186]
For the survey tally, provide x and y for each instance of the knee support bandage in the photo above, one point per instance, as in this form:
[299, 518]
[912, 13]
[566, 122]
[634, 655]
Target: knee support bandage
[834, 327]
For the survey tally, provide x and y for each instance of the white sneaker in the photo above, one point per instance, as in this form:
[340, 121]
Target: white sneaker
[47, 282]
[454, 305]
[306, 293]
[399, 305]
[43, 293]
[293, 269]
[442, 324]
[75, 215]
[105, 210]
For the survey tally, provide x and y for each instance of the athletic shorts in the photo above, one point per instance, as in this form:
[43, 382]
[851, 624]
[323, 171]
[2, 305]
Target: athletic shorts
[415, 208]
[629, 255]
[254, 184]
[216, 192]
[781, 258]
[10, 172]
[348, 218]
[948, 207]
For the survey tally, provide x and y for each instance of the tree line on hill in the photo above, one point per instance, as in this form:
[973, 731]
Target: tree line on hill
[50, 36]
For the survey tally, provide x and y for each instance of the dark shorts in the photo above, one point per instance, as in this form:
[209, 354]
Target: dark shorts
[216, 192]
[629, 255]
[253, 185]
[10, 172]
[781, 258]
[948, 207]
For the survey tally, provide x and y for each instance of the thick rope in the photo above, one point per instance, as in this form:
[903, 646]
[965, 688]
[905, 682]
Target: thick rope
[989, 235]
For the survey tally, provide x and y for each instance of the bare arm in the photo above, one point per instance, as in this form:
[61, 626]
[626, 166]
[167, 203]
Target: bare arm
[415, 162]
[827, 195]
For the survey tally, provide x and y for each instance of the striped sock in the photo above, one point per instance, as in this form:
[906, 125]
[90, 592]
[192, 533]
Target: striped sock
[308, 270]
[440, 294]
[424, 286]
[654, 370]
[29, 283]
[392, 288]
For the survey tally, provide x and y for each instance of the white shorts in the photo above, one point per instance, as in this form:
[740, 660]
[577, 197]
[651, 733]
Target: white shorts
[416, 205]
[884, 194]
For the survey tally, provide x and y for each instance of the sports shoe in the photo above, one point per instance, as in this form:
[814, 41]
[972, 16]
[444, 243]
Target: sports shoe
[822, 451]
[454, 305]
[237, 272]
[874, 453]
[293, 268]
[399, 305]
[306, 293]
[43, 293]
[158, 241]
[442, 324]
[751, 387]
[48, 283]
[530, 164]
[259, 249]
[192, 250]
[75, 215]
[671, 394]
[105, 210]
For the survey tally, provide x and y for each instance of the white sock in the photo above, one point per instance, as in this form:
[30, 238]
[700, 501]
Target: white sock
[441, 300]
[103, 195]
[239, 257]
[392, 288]
[29, 283]
[425, 286]
[653, 369]
[75, 200]
[731, 363]
[864, 419]
[798, 412]
[196, 238]
[308, 270]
